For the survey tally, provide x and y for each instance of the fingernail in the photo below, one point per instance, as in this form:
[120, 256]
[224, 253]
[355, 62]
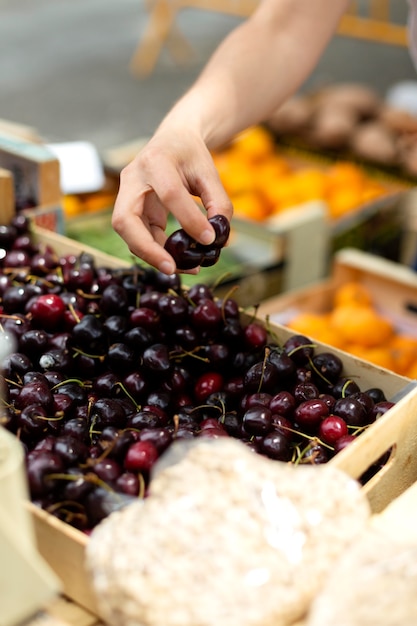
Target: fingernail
[207, 237]
[167, 268]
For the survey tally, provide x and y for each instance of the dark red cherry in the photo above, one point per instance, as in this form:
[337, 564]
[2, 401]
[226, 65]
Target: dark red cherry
[141, 456]
[47, 311]
[221, 226]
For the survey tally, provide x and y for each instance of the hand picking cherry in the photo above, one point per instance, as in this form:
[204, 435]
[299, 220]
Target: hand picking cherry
[188, 253]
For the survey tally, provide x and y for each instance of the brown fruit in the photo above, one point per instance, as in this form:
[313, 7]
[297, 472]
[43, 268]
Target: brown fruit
[374, 142]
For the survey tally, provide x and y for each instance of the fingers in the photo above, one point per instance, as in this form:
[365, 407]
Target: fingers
[140, 220]
[154, 185]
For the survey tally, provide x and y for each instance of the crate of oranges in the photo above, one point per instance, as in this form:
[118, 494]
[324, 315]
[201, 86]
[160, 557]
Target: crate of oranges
[366, 307]
[266, 181]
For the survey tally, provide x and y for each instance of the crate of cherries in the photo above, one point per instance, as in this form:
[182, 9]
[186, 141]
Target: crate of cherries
[112, 365]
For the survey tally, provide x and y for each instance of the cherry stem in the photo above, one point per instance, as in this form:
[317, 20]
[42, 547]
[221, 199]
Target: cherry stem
[142, 487]
[82, 383]
[123, 388]
[180, 355]
[220, 279]
[99, 357]
[320, 374]
[301, 453]
[301, 347]
[176, 421]
[73, 313]
[89, 477]
[261, 380]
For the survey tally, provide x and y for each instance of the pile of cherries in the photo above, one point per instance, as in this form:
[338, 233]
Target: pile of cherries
[110, 366]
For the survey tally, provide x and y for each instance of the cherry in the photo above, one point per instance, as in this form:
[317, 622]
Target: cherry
[32, 422]
[108, 470]
[316, 454]
[146, 419]
[156, 358]
[36, 392]
[380, 408]
[257, 420]
[344, 441]
[221, 226]
[34, 342]
[283, 403]
[376, 394]
[327, 367]
[300, 348]
[255, 335]
[260, 398]
[284, 365]
[210, 257]
[141, 456]
[261, 377]
[120, 357]
[114, 299]
[136, 385]
[173, 308]
[107, 412]
[145, 317]
[89, 334]
[206, 384]
[206, 315]
[77, 487]
[8, 235]
[345, 387]
[332, 428]
[276, 445]
[282, 425]
[185, 251]
[70, 449]
[198, 292]
[351, 410]
[47, 311]
[310, 413]
[128, 483]
[305, 391]
[39, 466]
[188, 253]
[161, 438]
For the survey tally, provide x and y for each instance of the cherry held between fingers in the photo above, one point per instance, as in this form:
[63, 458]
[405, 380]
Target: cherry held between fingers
[188, 253]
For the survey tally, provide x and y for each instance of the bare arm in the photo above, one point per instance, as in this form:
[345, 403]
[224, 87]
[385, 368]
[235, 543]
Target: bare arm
[261, 63]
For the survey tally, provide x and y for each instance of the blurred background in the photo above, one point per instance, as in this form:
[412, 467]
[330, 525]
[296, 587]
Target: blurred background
[66, 66]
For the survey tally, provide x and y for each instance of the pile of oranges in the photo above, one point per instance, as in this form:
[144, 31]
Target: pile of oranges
[75, 205]
[261, 182]
[353, 324]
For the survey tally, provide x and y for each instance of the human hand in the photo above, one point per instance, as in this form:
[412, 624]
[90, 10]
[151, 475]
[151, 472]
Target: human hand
[163, 178]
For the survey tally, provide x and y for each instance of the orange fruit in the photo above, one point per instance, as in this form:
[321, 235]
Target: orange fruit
[316, 326]
[249, 205]
[361, 325]
[378, 355]
[72, 205]
[412, 371]
[344, 174]
[343, 201]
[284, 194]
[311, 184]
[352, 292]
[256, 143]
[403, 349]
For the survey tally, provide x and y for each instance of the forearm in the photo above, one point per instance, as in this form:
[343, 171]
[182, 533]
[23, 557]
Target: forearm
[257, 67]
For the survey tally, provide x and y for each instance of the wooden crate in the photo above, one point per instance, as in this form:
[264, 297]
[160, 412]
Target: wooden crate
[34, 168]
[63, 547]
